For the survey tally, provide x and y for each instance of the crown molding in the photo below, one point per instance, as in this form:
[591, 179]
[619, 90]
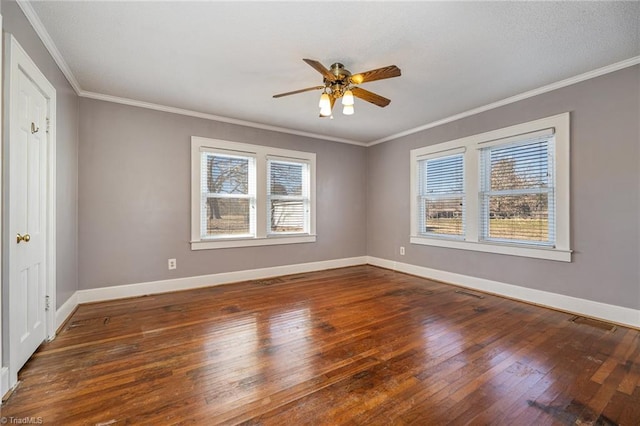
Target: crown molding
[190, 113]
[531, 93]
[46, 39]
[39, 28]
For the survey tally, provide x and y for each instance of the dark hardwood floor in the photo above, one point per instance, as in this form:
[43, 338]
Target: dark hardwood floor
[360, 346]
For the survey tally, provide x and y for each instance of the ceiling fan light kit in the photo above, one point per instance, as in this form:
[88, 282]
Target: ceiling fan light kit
[340, 83]
[347, 98]
[325, 111]
[324, 101]
[348, 110]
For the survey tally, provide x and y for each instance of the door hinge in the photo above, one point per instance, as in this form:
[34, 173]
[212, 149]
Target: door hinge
[47, 303]
[48, 124]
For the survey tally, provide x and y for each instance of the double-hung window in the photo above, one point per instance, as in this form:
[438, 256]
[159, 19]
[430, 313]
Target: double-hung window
[517, 197]
[288, 202]
[248, 195]
[504, 191]
[228, 194]
[441, 195]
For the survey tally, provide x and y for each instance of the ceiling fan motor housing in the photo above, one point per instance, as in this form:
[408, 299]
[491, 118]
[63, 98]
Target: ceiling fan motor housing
[339, 71]
[341, 82]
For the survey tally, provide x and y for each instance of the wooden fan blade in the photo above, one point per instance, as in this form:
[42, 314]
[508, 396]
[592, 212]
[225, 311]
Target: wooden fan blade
[377, 74]
[321, 69]
[368, 96]
[333, 101]
[298, 91]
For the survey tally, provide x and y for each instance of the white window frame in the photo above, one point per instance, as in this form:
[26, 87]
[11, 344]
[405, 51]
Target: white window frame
[559, 125]
[420, 196]
[250, 195]
[486, 192]
[261, 236]
[305, 197]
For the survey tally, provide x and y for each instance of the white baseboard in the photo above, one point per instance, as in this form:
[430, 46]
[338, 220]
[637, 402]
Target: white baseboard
[164, 286]
[612, 313]
[66, 309]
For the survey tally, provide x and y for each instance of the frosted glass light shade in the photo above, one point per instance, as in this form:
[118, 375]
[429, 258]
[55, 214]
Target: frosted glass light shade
[347, 98]
[325, 102]
[325, 111]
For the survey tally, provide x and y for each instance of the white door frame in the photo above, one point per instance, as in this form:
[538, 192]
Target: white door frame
[4, 371]
[16, 59]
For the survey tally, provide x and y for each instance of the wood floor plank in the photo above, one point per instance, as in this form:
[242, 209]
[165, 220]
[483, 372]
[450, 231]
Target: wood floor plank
[353, 346]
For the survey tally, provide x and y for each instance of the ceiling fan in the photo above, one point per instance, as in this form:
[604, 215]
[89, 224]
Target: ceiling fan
[338, 83]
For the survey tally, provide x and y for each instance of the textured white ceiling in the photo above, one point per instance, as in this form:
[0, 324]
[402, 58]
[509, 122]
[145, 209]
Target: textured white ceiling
[229, 58]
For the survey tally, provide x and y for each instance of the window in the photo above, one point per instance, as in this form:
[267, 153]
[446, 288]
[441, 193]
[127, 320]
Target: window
[441, 205]
[504, 191]
[288, 196]
[517, 197]
[248, 195]
[228, 195]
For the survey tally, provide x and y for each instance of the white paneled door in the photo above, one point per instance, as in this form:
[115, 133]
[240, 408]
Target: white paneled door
[28, 235]
[28, 204]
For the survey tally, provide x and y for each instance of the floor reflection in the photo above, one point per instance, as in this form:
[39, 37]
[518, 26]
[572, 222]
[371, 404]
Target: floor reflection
[289, 338]
[232, 359]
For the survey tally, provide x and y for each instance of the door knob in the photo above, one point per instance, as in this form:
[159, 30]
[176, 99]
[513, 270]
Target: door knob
[25, 238]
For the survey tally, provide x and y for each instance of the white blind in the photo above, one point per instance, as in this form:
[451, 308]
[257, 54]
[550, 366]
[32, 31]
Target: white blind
[441, 196]
[517, 192]
[288, 203]
[228, 195]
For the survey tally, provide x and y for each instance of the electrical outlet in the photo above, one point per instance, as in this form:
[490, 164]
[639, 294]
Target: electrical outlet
[172, 264]
[401, 251]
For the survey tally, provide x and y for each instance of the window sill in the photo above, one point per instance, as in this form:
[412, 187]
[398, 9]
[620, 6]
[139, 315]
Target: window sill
[508, 249]
[251, 242]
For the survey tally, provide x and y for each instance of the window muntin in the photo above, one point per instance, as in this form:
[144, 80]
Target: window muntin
[288, 204]
[517, 192]
[441, 196]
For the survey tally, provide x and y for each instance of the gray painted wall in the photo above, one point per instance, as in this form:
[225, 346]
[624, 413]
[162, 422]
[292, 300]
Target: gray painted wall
[16, 23]
[605, 194]
[123, 191]
[134, 197]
